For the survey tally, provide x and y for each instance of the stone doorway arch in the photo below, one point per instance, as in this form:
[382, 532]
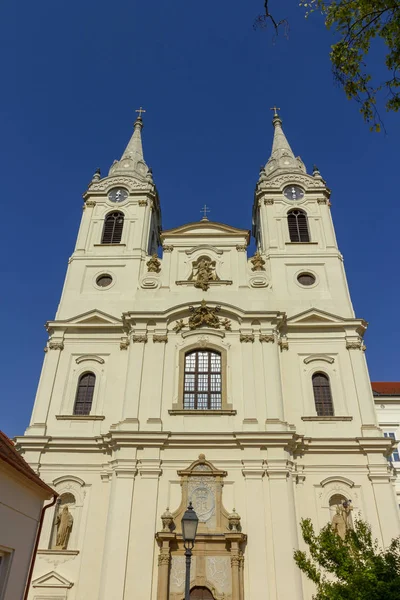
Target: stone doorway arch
[201, 593]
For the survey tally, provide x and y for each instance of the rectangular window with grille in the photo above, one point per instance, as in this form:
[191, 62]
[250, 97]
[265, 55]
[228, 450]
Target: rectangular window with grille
[202, 381]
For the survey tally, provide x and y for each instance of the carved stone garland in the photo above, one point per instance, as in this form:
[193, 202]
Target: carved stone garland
[217, 561]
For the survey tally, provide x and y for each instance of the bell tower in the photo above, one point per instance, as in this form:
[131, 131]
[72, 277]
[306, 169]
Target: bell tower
[293, 228]
[120, 228]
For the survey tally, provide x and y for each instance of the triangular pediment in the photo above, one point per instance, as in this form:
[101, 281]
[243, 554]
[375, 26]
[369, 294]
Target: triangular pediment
[52, 580]
[95, 317]
[205, 228]
[317, 317]
[91, 318]
[319, 320]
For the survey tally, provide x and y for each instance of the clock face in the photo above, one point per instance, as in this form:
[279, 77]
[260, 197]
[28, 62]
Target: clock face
[293, 192]
[117, 195]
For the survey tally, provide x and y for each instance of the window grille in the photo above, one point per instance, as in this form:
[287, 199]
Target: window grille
[298, 226]
[113, 225]
[322, 395]
[202, 389]
[84, 394]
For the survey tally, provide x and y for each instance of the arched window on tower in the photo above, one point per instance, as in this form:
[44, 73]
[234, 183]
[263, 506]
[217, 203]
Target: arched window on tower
[112, 230]
[322, 395]
[298, 226]
[84, 394]
[202, 388]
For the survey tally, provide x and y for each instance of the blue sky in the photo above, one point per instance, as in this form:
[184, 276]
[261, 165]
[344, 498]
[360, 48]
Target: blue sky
[73, 74]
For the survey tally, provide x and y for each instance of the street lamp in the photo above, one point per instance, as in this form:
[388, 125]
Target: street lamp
[189, 529]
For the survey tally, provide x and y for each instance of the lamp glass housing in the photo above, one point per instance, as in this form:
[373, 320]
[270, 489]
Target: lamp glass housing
[190, 522]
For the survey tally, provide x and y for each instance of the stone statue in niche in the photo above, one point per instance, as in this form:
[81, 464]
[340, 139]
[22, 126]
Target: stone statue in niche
[153, 265]
[203, 271]
[64, 522]
[341, 521]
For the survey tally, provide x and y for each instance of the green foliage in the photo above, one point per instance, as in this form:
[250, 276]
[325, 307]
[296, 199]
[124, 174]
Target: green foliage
[357, 24]
[351, 569]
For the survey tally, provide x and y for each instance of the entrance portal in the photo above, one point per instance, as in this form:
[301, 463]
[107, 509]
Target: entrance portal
[201, 593]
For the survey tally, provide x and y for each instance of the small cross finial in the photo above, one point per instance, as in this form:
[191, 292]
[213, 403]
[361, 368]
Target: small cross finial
[205, 210]
[275, 109]
[140, 111]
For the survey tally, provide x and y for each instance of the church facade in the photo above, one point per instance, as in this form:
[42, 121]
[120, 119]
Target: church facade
[237, 383]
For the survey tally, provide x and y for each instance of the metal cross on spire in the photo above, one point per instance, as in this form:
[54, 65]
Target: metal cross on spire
[275, 109]
[205, 210]
[140, 111]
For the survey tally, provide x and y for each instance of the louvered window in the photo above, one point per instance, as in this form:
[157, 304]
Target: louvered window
[202, 388]
[322, 395]
[84, 394]
[113, 225]
[298, 226]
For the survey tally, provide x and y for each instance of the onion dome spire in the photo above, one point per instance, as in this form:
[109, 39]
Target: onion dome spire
[282, 157]
[132, 161]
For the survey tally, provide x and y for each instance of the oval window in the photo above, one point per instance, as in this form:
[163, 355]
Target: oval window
[104, 280]
[306, 279]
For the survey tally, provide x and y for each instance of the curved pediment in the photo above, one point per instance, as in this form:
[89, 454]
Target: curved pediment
[205, 228]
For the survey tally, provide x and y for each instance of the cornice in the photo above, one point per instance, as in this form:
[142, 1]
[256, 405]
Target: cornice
[290, 441]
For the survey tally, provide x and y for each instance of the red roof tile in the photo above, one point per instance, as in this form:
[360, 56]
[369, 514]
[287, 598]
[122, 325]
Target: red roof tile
[386, 388]
[9, 455]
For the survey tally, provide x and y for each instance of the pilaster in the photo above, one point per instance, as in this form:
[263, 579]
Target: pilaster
[44, 393]
[257, 559]
[113, 572]
[139, 581]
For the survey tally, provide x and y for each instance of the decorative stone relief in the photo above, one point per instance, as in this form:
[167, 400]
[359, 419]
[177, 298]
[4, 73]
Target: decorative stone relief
[304, 180]
[139, 339]
[167, 248]
[89, 204]
[218, 573]
[143, 203]
[268, 201]
[267, 338]
[124, 343]
[240, 248]
[258, 262]
[128, 182]
[178, 573]
[160, 338]
[153, 265]
[203, 272]
[283, 343]
[247, 337]
[201, 493]
[356, 345]
[205, 316]
[52, 345]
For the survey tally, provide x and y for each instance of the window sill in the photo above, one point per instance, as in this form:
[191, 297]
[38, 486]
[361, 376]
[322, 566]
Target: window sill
[327, 418]
[100, 245]
[301, 243]
[80, 417]
[182, 411]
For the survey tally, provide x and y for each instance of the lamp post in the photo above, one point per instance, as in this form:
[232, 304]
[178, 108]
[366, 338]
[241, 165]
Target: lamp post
[189, 529]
